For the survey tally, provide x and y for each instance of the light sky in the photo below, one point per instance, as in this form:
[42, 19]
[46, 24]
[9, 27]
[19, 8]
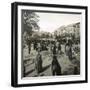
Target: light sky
[52, 21]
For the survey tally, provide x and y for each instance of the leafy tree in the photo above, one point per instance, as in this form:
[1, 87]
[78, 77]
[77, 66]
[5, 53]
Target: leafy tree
[29, 24]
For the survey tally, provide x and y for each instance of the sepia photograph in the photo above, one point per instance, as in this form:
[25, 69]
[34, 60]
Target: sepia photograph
[50, 43]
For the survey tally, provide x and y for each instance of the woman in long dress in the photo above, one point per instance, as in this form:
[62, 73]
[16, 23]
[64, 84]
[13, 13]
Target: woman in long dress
[55, 66]
[38, 63]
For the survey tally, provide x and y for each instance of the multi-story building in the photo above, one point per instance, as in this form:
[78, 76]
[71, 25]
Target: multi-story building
[69, 30]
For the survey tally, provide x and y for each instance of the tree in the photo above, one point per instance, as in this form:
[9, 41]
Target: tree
[29, 24]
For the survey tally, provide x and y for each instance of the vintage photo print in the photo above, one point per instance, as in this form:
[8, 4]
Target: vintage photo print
[50, 43]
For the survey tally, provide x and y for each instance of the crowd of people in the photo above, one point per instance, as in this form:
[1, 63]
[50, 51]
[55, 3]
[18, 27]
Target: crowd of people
[55, 48]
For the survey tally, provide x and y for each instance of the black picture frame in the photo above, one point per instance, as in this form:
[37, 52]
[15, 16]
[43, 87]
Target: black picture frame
[14, 43]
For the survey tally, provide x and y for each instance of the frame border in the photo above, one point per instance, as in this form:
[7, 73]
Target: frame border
[14, 43]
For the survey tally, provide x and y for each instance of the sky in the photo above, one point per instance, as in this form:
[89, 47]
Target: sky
[52, 21]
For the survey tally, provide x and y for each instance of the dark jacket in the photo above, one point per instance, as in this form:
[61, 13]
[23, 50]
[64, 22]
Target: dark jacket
[56, 68]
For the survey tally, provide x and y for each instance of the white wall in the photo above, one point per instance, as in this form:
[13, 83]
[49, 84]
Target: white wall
[5, 45]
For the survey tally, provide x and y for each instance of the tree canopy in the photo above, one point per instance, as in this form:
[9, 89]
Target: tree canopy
[29, 24]
[29, 21]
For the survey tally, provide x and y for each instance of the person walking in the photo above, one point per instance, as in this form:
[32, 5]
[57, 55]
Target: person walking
[59, 48]
[38, 63]
[54, 49]
[55, 66]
